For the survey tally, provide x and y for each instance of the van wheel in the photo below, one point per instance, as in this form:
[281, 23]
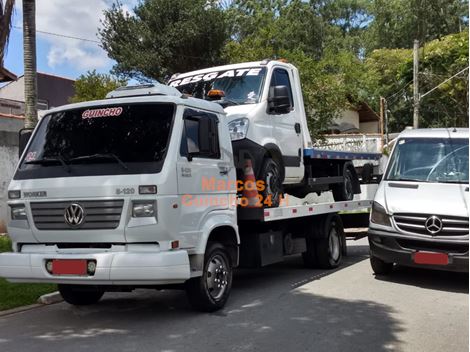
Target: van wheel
[329, 251]
[210, 291]
[344, 191]
[80, 295]
[379, 266]
[271, 175]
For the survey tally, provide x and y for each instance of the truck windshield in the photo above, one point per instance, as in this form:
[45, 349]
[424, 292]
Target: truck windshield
[441, 160]
[240, 86]
[99, 140]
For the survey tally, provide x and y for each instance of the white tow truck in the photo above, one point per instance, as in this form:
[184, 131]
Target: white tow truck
[139, 190]
[268, 125]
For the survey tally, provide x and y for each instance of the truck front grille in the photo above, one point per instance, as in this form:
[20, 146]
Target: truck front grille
[416, 223]
[98, 214]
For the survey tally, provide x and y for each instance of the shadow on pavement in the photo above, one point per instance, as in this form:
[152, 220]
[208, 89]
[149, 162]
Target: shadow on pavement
[430, 279]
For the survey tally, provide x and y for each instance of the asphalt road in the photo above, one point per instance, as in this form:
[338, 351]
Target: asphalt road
[281, 308]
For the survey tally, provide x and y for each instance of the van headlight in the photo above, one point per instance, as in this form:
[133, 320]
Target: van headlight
[238, 128]
[143, 209]
[18, 212]
[379, 215]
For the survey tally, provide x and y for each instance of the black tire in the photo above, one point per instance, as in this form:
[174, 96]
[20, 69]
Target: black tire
[271, 175]
[329, 249]
[344, 191]
[366, 173]
[379, 266]
[200, 291]
[80, 296]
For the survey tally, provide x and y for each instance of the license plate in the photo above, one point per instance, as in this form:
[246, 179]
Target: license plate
[431, 258]
[69, 267]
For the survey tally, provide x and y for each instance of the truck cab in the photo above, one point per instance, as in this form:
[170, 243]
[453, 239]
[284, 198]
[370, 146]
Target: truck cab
[267, 122]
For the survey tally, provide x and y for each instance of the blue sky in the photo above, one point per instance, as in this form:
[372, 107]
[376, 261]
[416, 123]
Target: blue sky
[58, 55]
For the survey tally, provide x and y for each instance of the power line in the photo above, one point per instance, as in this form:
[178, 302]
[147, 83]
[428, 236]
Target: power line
[448, 79]
[64, 36]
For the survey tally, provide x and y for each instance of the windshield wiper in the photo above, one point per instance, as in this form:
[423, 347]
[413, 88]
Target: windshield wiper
[51, 159]
[226, 102]
[101, 156]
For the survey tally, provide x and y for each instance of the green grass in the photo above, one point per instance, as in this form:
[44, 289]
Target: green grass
[16, 295]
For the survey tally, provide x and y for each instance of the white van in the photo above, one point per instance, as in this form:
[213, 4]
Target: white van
[420, 211]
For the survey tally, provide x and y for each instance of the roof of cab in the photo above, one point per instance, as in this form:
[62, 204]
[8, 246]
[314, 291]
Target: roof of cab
[450, 132]
[178, 100]
[263, 63]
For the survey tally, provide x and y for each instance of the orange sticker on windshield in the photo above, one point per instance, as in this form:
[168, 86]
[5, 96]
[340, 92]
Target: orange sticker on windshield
[105, 112]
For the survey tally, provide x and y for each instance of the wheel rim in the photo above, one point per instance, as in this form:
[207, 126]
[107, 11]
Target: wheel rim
[334, 244]
[217, 276]
[348, 187]
[272, 180]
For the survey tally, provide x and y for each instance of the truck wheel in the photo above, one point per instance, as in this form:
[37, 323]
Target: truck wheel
[329, 249]
[271, 176]
[80, 296]
[344, 191]
[379, 266]
[210, 291]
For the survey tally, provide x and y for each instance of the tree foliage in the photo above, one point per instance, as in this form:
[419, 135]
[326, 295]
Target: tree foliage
[163, 37]
[95, 86]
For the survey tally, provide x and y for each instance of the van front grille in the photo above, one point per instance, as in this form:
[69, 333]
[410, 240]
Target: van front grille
[99, 214]
[416, 223]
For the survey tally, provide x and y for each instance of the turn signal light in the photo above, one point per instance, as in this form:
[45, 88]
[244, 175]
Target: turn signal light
[148, 189]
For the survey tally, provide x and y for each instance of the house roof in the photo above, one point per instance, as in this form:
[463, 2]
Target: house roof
[366, 114]
[7, 76]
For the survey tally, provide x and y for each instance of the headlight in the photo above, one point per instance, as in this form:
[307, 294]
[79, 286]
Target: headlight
[238, 128]
[379, 216]
[18, 212]
[143, 209]
[14, 194]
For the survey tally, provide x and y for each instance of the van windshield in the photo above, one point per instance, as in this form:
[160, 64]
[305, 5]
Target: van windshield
[99, 140]
[441, 160]
[239, 86]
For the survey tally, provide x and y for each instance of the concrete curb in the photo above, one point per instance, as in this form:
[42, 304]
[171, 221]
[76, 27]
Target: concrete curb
[50, 298]
[19, 309]
[46, 299]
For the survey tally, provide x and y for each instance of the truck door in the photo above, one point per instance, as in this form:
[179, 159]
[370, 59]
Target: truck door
[203, 171]
[286, 128]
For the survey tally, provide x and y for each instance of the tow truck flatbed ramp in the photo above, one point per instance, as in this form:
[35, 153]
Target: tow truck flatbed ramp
[298, 211]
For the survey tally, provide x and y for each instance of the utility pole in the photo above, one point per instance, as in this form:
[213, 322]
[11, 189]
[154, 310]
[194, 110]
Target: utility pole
[416, 96]
[382, 110]
[386, 120]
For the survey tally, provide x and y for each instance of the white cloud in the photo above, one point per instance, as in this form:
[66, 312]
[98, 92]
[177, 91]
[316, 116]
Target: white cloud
[75, 18]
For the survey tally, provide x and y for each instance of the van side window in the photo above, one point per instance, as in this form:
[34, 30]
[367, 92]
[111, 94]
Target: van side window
[200, 135]
[281, 78]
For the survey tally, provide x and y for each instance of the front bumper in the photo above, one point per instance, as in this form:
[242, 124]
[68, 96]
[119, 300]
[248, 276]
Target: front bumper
[399, 249]
[112, 267]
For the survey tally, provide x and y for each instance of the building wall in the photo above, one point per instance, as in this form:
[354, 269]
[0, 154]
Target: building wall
[369, 127]
[349, 116]
[9, 128]
[13, 90]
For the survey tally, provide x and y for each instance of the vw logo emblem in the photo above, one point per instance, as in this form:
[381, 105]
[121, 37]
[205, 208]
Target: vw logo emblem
[74, 214]
[433, 224]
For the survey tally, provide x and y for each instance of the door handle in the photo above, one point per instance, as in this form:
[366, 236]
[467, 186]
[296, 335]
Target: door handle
[224, 169]
[297, 128]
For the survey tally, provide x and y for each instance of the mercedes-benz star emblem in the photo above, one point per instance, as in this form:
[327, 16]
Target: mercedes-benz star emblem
[74, 214]
[433, 224]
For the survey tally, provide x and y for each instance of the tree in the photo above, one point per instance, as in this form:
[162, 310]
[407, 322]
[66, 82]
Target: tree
[95, 86]
[30, 72]
[6, 11]
[164, 37]
[398, 22]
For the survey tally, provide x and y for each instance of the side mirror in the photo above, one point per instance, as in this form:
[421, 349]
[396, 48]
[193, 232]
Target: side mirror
[23, 138]
[204, 135]
[279, 101]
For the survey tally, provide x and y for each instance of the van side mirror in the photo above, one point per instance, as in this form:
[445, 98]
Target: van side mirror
[204, 135]
[279, 101]
[23, 138]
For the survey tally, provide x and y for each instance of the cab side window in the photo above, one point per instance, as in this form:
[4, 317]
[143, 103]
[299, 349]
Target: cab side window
[280, 77]
[200, 135]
